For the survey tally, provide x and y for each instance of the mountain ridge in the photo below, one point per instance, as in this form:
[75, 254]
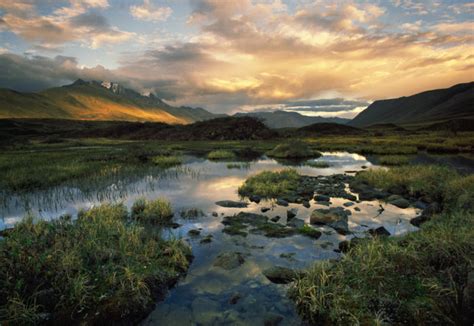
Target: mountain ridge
[93, 100]
[437, 105]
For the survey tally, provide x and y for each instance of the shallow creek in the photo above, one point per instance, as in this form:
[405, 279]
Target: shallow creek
[210, 294]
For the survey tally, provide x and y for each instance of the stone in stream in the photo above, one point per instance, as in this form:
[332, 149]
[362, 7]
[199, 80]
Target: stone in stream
[324, 203]
[229, 260]
[281, 275]
[348, 204]
[281, 202]
[264, 209]
[398, 201]
[291, 213]
[321, 198]
[357, 209]
[272, 319]
[194, 232]
[215, 214]
[306, 203]
[255, 198]
[275, 218]
[296, 223]
[379, 232]
[232, 204]
[206, 239]
[335, 217]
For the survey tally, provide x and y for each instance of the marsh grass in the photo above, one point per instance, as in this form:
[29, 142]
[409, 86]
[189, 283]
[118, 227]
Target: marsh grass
[99, 268]
[318, 164]
[394, 160]
[166, 161]
[415, 279]
[270, 184]
[221, 154]
[293, 149]
[157, 211]
[238, 166]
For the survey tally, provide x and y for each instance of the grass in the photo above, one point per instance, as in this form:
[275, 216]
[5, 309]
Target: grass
[270, 184]
[393, 160]
[415, 279]
[318, 164]
[293, 149]
[99, 268]
[238, 166]
[221, 155]
[167, 161]
[156, 211]
[309, 231]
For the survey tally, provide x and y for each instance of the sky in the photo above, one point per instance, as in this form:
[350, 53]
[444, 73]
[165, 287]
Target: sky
[326, 58]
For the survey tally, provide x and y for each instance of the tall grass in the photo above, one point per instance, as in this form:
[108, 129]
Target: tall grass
[99, 268]
[270, 184]
[156, 211]
[393, 160]
[221, 154]
[416, 279]
[166, 161]
[293, 149]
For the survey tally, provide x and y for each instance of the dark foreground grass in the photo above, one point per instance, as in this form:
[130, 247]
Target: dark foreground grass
[269, 184]
[422, 278]
[100, 268]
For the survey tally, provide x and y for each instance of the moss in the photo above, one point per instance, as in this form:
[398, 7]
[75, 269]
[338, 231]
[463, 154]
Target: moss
[293, 149]
[221, 155]
[271, 184]
[309, 231]
[99, 268]
[156, 211]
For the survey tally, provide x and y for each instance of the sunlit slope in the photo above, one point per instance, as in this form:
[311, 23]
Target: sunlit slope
[91, 101]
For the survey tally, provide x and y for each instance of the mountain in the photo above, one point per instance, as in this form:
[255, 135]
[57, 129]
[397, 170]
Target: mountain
[94, 100]
[325, 128]
[285, 119]
[456, 102]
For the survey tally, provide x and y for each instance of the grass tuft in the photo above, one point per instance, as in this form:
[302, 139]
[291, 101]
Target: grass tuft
[271, 184]
[221, 154]
[167, 161]
[156, 211]
[394, 160]
[293, 149]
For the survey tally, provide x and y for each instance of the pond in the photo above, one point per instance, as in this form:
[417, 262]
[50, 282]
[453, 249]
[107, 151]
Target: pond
[210, 294]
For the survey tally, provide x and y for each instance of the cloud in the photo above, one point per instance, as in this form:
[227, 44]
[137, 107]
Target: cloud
[150, 12]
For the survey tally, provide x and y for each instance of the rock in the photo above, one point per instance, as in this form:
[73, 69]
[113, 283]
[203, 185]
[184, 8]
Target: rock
[275, 218]
[348, 204]
[400, 202]
[379, 232]
[205, 311]
[206, 239]
[281, 275]
[322, 198]
[229, 260]
[232, 204]
[349, 196]
[215, 214]
[264, 209]
[335, 217]
[255, 198]
[346, 245]
[357, 209]
[272, 319]
[194, 232]
[363, 167]
[234, 298]
[291, 213]
[296, 223]
[420, 205]
[306, 203]
[419, 220]
[325, 203]
[281, 202]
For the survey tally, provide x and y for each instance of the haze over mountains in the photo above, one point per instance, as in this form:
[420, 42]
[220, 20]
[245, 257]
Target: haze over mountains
[456, 102]
[284, 119]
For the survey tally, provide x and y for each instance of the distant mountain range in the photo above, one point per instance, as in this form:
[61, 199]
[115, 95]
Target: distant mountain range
[285, 119]
[456, 102]
[93, 100]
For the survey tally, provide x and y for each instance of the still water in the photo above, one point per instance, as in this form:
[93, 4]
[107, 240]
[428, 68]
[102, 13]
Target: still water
[209, 294]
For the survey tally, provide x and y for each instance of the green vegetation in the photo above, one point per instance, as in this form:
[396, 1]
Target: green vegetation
[156, 211]
[309, 231]
[99, 268]
[293, 149]
[419, 278]
[239, 166]
[393, 160]
[167, 161]
[221, 155]
[318, 164]
[271, 184]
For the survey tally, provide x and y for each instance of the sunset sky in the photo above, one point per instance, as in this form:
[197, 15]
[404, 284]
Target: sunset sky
[329, 58]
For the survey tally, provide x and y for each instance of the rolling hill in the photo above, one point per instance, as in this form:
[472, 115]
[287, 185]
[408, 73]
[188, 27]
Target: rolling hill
[456, 102]
[95, 101]
[285, 119]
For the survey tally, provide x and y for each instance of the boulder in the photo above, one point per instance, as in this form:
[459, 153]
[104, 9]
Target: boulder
[348, 204]
[264, 209]
[291, 213]
[229, 260]
[296, 223]
[379, 232]
[398, 201]
[319, 198]
[281, 275]
[335, 217]
[194, 232]
[255, 198]
[306, 203]
[281, 202]
[275, 218]
[232, 204]
[346, 245]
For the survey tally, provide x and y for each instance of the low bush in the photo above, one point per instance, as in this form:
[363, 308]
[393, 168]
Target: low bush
[271, 184]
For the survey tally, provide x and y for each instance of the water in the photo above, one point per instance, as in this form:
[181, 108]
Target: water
[204, 295]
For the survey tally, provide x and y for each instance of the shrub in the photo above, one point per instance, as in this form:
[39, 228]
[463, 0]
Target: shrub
[271, 184]
[96, 269]
[156, 211]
